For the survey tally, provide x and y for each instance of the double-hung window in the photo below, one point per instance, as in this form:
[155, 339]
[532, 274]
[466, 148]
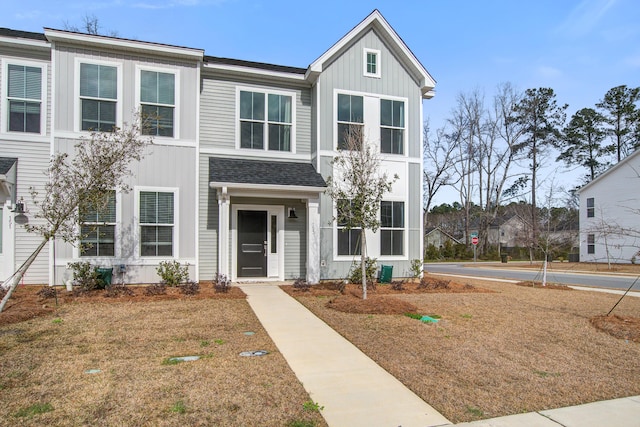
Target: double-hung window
[98, 228]
[98, 97]
[591, 207]
[391, 126]
[156, 223]
[391, 228]
[591, 243]
[157, 99]
[24, 93]
[350, 121]
[348, 236]
[266, 120]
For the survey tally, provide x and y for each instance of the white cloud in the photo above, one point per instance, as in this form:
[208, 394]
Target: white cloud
[585, 17]
[548, 72]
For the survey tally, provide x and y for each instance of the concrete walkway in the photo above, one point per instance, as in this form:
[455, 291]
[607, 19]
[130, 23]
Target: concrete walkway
[353, 389]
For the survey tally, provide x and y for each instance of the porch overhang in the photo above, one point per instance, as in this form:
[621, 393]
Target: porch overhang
[8, 177]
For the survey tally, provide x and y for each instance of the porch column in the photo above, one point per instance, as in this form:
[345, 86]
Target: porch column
[223, 232]
[313, 241]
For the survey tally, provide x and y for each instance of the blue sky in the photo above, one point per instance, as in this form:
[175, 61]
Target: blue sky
[580, 48]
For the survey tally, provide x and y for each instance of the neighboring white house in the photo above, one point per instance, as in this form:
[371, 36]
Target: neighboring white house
[610, 214]
[235, 181]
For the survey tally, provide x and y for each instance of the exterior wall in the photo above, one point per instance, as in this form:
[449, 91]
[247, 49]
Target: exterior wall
[168, 165]
[32, 152]
[345, 75]
[616, 221]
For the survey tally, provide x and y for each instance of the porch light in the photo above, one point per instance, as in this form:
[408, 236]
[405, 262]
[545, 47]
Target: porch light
[20, 210]
[292, 213]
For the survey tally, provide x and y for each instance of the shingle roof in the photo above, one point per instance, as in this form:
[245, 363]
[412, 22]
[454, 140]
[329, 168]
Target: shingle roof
[251, 64]
[7, 32]
[5, 164]
[242, 171]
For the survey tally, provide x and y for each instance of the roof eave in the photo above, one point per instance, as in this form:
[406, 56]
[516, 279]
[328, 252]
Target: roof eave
[268, 187]
[21, 42]
[238, 69]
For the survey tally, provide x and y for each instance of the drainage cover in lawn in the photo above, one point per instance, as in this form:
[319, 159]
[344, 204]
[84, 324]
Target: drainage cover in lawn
[254, 353]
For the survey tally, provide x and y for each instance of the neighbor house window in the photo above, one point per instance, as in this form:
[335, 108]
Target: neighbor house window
[350, 121]
[371, 59]
[591, 243]
[99, 228]
[156, 223]
[591, 207]
[98, 97]
[157, 98]
[391, 228]
[391, 126]
[266, 120]
[24, 98]
[348, 237]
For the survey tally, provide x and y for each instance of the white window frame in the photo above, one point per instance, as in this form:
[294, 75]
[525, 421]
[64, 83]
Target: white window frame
[403, 129]
[365, 62]
[403, 229]
[4, 84]
[115, 233]
[176, 97]
[336, 230]
[77, 110]
[591, 210]
[337, 122]
[118, 239]
[265, 152]
[176, 223]
[591, 244]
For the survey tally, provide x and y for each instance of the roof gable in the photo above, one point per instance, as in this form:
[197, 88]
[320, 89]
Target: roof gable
[605, 174]
[382, 28]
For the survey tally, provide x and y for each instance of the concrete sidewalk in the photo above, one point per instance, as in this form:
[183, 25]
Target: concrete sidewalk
[353, 389]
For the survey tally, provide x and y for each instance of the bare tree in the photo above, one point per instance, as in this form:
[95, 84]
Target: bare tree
[90, 25]
[77, 184]
[357, 188]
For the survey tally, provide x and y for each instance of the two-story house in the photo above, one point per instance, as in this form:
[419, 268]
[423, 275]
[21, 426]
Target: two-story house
[610, 214]
[234, 183]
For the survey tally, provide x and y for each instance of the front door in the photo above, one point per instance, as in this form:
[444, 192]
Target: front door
[252, 243]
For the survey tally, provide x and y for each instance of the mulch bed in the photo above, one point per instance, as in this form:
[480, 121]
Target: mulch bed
[530, 284]
[623, 327]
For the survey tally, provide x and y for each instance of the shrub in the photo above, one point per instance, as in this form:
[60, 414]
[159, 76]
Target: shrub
[85, 276]
[429, 283]
[417, 267]
[355, 275]
[47, 292]
[172, 273]
[301, 284]
[221, 283]
[397, 285]
[189, 288]
[432, 252]
[156, 289]
[115, 291]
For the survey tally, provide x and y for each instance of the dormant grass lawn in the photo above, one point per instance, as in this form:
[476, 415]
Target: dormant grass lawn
[44, 364]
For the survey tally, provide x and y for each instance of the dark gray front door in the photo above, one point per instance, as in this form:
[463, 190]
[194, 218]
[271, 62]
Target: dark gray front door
[252, 243]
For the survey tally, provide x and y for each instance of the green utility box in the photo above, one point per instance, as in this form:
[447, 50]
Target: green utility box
[104, 276]
[386, 271]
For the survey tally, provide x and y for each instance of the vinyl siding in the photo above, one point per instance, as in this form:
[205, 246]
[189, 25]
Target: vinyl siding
[208, 224]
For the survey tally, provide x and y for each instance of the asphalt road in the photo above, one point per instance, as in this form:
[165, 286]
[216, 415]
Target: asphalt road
[611, 281]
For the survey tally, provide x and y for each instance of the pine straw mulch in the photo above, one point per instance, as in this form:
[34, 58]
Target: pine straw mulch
[499, 349]
[28, 301]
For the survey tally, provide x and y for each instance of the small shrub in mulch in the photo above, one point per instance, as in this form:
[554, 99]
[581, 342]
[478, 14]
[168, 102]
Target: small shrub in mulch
[189, 288]
[115, 291]
[155, 289]
[374, 304]
[623, 327]
[397, 285]
[221, 283]
[47, 292]
[532, 284]
[301, 285]
[430, 283]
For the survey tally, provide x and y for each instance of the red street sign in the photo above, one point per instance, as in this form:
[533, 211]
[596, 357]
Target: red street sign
[474, 240]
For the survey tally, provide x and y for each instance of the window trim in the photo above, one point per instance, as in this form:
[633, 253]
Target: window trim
[104, 223]
[4, 84]
[591, 210]
[336, 232]
[77, 110]
[403, 229]
[117, 237]
[176, 222]
[591, 244]
[365, 62]
[266, 92]
[176, 97]
[337, 123]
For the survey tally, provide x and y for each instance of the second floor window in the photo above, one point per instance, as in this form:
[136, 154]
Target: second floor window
[266, 120]
[24, 93]
[157, 96]
[391, 126]
[98, 97]
[350, 120]
[591, 207]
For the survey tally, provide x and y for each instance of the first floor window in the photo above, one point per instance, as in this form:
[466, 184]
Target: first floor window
[391, 228]
[591, 243]
[24, 93]
[156, 223]
[348, 236]
[98, 228]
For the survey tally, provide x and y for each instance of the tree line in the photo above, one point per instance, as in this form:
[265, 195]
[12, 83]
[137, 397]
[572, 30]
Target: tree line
[492, 151]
